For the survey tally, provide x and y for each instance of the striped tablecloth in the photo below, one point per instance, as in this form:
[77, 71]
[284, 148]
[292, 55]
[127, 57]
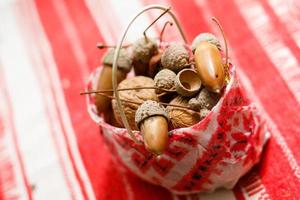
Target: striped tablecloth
[51, 149]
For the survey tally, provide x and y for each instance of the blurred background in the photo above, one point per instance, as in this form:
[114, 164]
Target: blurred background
[49, 146]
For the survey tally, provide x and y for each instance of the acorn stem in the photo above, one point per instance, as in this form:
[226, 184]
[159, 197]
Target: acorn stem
[124, 89]
[163, 30]
[162, 14]
[104, 46]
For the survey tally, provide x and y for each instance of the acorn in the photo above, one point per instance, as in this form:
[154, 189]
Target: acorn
[152, 119]
[136, 95]
[154, 65]
[205, 99]
[124, 65]
[142, 51]
[187, 83]
[164, 79]
[209, 66]
[208, 37]
[175, 57]
[181, 117]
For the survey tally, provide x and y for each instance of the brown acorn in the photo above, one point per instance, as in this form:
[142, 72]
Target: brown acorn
[209, 66]
[154, 65]
[137, 95]
[142, 51]
[152, 119]
[105, 78]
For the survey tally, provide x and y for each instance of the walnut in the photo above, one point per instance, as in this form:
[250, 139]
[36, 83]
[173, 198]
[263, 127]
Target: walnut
[138, 95]
[181, 117]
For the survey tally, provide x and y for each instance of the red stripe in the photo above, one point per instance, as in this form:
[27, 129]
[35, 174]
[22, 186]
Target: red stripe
[238, 193]
[14, 136]
[281, 30]
[236, 39]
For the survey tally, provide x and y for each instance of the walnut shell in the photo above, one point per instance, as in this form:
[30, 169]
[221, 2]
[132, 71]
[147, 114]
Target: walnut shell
[181, 117]
[175, 57]
[208, 37]
[139, 96]
[164, 79]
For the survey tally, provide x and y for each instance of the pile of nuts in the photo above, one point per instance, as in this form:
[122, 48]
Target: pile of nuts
[176, 85]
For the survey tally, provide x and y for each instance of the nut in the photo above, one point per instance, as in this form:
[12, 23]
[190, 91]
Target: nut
[209, 66]
[164, 79]
[208, 37]
[124, 60]
[105, 79]
[104, 83]
[180, 117]
[175, 57]
[205, 99]
[142, 51]
[187, 83]
[152, 119]
[138, 95]
[154, 65]
[110, 118]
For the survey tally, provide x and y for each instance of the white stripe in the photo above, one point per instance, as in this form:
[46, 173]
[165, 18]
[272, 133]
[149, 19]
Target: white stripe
[10, 169]
[32, 127]
[280, 55]
[46, 51]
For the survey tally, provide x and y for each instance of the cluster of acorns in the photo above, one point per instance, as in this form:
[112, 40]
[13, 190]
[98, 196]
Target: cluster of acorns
[175, 86]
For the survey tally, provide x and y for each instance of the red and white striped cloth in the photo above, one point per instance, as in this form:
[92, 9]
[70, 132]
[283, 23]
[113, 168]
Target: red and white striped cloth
[51, 149]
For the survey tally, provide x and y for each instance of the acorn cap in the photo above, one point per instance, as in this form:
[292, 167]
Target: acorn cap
[187, 83]
[207, 99]
[208, 37]
[164, 79]
[148, 109]
[143, 49]
[124, 60]
[175, 57]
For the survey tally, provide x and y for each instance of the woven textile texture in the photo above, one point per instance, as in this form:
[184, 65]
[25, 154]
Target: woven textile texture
[51, 149]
